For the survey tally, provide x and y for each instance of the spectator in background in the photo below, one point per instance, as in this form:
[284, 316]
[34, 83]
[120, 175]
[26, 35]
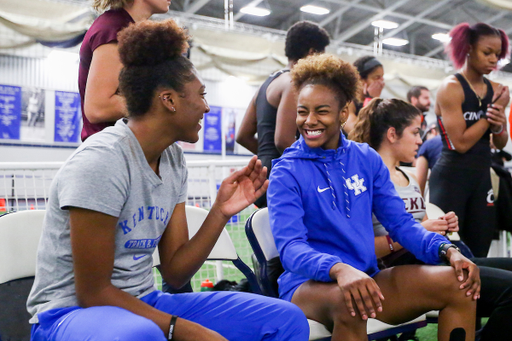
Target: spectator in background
[100, 65]
[429, 153]
[273, 109]
[419, 96]
[371, 72]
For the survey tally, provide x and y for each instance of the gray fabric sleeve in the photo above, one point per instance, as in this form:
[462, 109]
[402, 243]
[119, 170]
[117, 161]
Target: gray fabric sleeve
[100, 182]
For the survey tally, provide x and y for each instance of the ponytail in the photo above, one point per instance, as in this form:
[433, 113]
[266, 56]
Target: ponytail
[504, 44]
[378, 116]
[459, 46]
[362, 129]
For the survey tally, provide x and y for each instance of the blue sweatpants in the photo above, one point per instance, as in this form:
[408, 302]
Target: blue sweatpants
[234, 315]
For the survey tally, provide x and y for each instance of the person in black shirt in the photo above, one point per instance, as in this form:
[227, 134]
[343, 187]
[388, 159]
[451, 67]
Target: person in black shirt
[273, 109]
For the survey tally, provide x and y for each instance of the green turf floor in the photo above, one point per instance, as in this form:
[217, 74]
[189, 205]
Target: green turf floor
[429, 333]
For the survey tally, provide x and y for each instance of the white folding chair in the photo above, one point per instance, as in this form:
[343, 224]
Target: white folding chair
[19, 238]
[222, 250]
[261, 239]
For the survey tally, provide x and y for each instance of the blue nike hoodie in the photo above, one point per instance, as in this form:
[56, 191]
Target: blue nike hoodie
[320, 204]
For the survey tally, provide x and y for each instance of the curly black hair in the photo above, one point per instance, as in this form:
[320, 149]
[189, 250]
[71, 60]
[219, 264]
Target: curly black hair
[152, 56]
[328, 70]
[303, 36]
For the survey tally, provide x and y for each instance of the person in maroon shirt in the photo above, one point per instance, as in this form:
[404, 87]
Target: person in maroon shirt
[99, 61]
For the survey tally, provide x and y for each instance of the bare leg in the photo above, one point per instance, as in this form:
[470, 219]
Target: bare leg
[412, 290]
[409, 291]
[323, 302]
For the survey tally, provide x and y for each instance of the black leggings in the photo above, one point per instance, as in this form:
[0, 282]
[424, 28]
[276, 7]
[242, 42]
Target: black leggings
[495, 298]
[467, 192]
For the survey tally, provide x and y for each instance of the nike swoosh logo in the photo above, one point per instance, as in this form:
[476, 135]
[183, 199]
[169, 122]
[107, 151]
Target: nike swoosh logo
[320, 190]
[138, 257]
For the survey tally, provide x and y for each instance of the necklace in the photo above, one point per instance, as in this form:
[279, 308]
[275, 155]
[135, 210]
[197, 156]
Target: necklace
[474, 91]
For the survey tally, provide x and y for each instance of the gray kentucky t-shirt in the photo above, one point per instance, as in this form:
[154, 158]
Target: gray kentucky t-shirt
[108, 173]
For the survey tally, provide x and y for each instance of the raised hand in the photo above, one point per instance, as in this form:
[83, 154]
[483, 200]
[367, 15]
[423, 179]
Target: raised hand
[358, 287]
[375, 88]
[496, 111]
[241, 188]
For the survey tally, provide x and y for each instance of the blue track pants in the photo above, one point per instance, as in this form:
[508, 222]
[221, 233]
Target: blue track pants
[235, 315]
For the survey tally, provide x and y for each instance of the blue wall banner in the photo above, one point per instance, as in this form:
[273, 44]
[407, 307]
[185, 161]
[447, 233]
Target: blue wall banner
[10, 112]
[67, 116]
[213, 130]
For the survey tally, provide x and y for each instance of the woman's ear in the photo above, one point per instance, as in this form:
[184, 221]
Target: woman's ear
[391, 135]
[344, 113]
[166, 98]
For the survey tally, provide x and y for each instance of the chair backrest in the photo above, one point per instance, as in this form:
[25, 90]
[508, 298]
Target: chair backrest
[260, 225]
[19, 238]
[223, 248]
[259, 234]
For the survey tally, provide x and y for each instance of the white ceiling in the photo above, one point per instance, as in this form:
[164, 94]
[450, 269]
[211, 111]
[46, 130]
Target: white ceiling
[349, 21]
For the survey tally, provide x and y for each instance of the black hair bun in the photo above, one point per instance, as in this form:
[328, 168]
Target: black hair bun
[151, 42]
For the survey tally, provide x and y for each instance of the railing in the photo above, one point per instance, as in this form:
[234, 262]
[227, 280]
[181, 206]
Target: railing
[26, 185]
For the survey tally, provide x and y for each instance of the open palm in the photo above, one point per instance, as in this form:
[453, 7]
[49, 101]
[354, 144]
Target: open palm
[242, 188]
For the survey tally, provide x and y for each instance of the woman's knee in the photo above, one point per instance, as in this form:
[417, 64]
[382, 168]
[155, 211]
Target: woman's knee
[323, 302]
[448, 287]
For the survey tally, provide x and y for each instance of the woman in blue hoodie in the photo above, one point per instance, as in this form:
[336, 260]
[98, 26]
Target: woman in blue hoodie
[321, 196]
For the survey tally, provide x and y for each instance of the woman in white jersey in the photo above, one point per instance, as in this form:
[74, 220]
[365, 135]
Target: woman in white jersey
[392, 128]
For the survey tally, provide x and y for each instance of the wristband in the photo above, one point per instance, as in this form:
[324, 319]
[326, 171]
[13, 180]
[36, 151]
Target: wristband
[443, 251]
[499, 132]
[390, 243]
[171, 327]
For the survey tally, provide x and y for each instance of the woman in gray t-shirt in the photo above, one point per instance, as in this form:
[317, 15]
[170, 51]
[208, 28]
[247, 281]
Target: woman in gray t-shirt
[121, 194]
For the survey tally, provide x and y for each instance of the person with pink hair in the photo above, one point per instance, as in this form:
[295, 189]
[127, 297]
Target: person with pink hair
[469, 109]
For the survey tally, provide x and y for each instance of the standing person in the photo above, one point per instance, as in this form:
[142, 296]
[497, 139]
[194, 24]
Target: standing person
[272, 110]
[121, 194]
[391, 127]
[371, 72]
[469, 109]
[100, 65]
[321, 195]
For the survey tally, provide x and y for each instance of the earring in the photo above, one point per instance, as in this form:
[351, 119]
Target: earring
[173, 109]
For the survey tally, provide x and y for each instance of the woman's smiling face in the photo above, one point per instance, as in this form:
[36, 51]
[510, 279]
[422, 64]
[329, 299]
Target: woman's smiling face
[319, 116]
